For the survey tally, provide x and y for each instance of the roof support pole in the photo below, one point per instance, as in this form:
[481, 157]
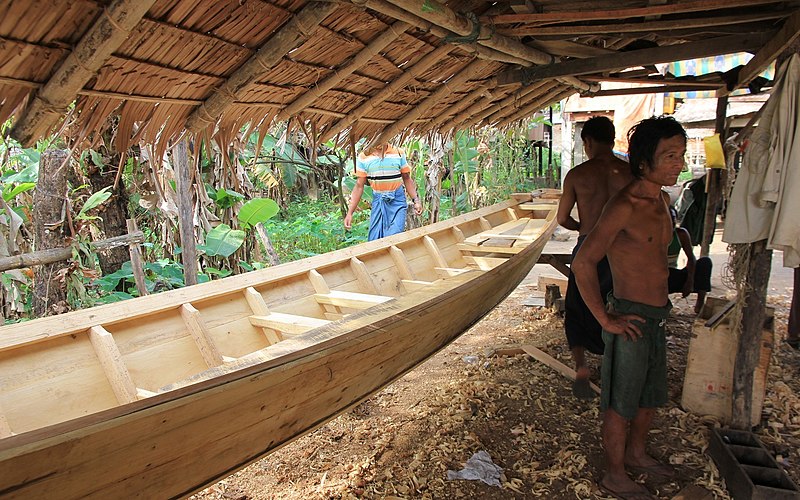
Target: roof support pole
[91, 52]
[296, 30]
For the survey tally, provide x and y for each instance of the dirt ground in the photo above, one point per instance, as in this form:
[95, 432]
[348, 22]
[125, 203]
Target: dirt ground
[402, 442]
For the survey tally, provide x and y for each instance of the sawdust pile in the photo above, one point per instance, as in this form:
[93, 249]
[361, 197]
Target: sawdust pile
[401, 442]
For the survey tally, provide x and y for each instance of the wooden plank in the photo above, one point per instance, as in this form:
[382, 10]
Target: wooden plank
[447, 272]
[288, 323]
[362, 275]
[543, 281]
[259, 307]
[512, 213]
[144, 393]
[485, 224]
[714, 320]
[414, 285]
[111, 360]
[506, 229]
[559, 263]
[401, 263]
[352, 300]
[322, 288]
[484, 263]
[490, 249]
[202, 337]
[434, 252]
[535, 206]
[641, 57]
[555, 364]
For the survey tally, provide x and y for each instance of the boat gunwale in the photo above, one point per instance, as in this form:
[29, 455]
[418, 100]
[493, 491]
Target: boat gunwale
[76, 322]
[47, 436]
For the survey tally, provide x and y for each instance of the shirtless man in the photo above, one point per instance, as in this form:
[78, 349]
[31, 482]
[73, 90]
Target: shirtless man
[590, 185]
[634, 231]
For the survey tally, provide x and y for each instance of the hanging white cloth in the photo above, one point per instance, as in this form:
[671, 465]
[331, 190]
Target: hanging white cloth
[765, 202]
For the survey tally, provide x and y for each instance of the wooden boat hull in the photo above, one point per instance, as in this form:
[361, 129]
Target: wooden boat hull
[212, 423]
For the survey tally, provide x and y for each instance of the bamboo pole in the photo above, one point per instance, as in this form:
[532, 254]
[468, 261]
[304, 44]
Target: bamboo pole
[472, 70]
[522, 101]
[462, 103]
[521, 94]
[449, 19]
[374, 47]
[478, 106]
[92, 51]
[296, 30]
[396, 85]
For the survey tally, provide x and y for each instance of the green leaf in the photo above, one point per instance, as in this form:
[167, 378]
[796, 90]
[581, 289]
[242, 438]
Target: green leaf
[95, 200]
[223, 241]
[97, 159]
[27, 174]
[257, 210]
[25, 186]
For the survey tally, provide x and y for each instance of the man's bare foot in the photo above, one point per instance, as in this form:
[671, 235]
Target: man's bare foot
[624, 488]
[648, 465]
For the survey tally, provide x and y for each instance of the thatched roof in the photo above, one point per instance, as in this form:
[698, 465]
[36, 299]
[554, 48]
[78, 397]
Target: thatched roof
[365, 68]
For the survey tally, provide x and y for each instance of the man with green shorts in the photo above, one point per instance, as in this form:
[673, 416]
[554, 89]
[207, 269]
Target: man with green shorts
[634, 232]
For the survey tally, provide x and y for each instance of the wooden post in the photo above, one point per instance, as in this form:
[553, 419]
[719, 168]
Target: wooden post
[136, 260]
[183, 184]
[714, 187]
[49, 201]
[751, 326]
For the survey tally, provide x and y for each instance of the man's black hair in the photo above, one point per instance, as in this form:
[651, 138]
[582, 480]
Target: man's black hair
[599, 128]
[643, 139]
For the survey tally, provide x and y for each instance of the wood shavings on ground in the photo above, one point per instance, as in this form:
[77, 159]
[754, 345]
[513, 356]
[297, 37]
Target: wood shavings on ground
[400, 443]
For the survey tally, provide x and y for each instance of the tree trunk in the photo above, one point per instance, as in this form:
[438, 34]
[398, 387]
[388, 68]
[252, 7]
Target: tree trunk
[49, 202]
[433, 189]
[113, 216]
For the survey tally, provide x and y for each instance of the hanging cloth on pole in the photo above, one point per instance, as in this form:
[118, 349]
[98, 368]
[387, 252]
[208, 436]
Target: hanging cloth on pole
[764, 203]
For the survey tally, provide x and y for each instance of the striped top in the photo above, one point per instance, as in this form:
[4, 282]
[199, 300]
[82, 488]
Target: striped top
[383, 174]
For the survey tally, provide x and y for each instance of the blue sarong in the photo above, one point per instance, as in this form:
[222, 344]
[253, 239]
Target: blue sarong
[388, 213]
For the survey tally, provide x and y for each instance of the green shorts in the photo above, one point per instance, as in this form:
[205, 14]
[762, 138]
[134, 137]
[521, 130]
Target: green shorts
[634, 373]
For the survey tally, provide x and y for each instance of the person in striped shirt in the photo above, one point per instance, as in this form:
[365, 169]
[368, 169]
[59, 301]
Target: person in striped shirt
[389, 176]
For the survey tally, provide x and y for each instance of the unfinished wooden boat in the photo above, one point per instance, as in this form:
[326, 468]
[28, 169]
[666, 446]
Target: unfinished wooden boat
[161, 395]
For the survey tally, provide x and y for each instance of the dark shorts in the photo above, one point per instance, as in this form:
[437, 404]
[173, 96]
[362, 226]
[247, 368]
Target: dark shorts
[634, 373]
[581, 327]
[702, 277]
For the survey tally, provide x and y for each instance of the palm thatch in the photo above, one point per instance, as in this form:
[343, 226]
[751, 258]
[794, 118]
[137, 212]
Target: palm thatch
[364, 68]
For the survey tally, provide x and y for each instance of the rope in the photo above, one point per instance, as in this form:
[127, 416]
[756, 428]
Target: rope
[472, 37]
[114, 22]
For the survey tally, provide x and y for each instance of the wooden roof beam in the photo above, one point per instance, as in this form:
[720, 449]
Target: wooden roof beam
[512, 102]
[658, 89]
[459, 105]
[766, 54]
[642, 57]
[94, 48]
[655, 81]
[645, 26]
[605, 14]
[523, 102]
[425, 63]
[469, 72]
[359, 60]
[294, 32]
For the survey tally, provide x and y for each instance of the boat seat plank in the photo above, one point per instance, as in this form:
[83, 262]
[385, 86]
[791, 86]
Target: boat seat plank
[352, 300]
[332, 311]
[509, 229]
[259, 307]
[490, 249]
[111, 360]
[535, 206]
[414, 285]
[484, 263]
[202, 337]
[288, 323]
[446, 272]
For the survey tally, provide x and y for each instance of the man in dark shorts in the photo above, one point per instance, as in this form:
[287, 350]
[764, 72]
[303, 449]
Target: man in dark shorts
[589, 185]
[634, 231]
